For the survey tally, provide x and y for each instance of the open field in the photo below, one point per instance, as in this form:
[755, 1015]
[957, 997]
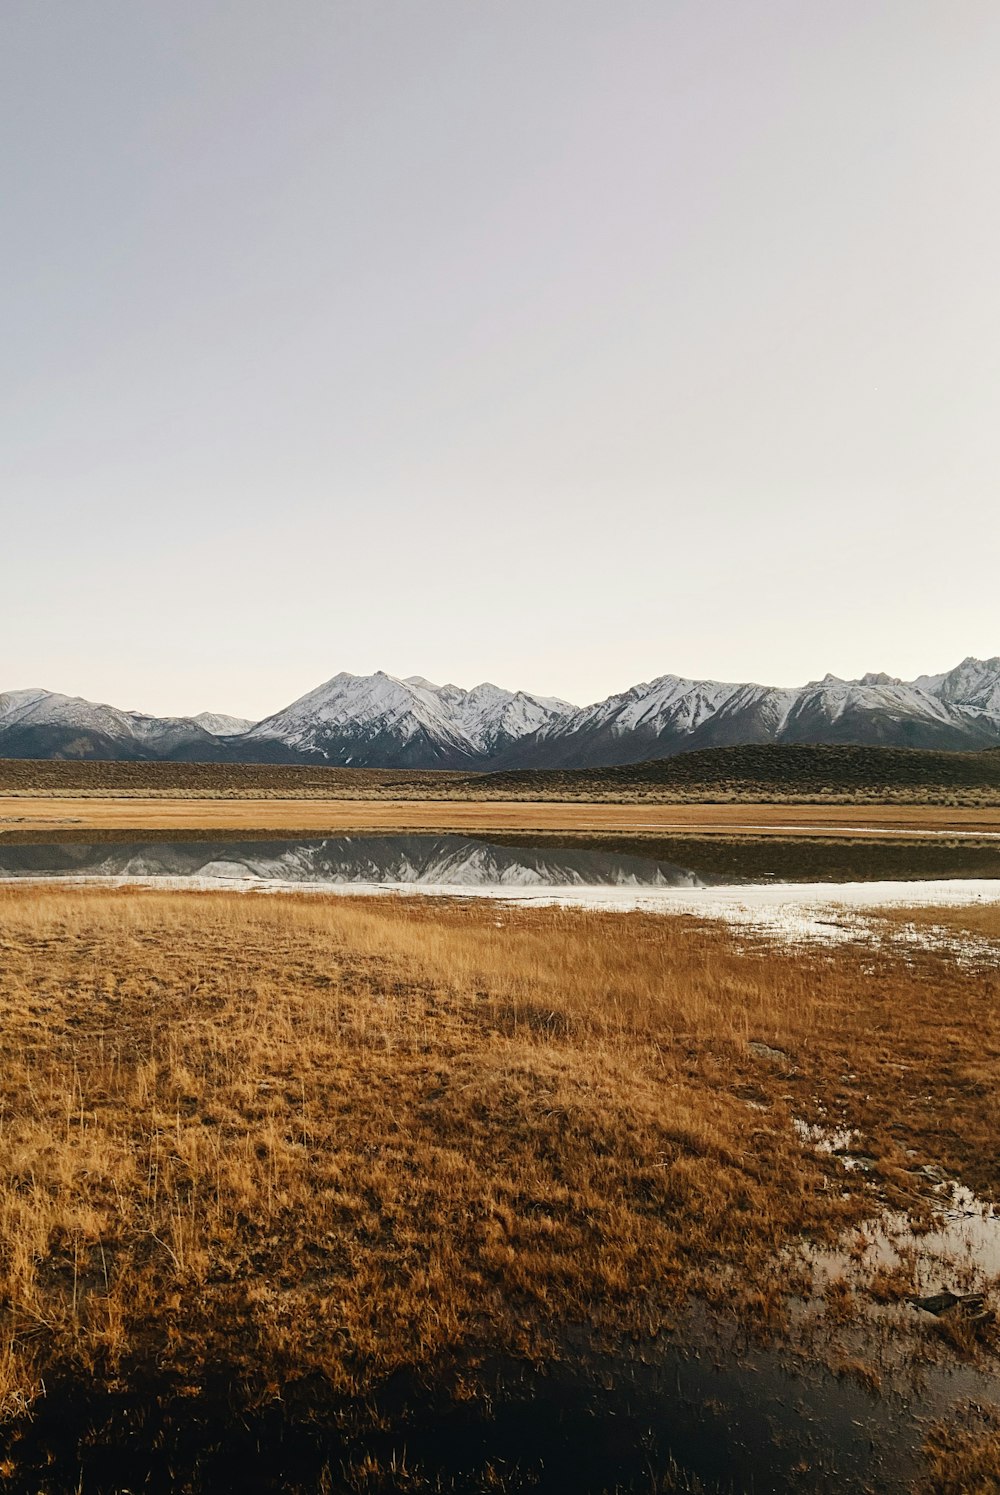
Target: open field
[274, 1171]
[21, 815]
[742, 775]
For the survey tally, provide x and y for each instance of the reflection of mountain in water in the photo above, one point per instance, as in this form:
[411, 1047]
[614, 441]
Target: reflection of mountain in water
[453, 861]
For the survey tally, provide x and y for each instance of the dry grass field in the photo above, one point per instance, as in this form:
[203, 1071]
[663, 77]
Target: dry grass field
[134, 814]
[981, 920]
[298, 1148]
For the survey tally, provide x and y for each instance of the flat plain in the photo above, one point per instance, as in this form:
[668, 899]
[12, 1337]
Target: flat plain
[807, 791]
[293, 816]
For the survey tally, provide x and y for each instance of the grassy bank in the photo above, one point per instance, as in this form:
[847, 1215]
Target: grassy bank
[132, 815]
[299, 1149]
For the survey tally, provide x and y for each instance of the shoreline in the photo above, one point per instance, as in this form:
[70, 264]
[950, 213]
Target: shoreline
[788, 913]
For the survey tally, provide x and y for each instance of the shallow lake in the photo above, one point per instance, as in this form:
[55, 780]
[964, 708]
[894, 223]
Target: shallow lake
[508, 862]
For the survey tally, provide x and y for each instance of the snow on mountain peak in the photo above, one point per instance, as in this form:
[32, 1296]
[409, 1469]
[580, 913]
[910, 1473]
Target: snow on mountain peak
[381, 720]
[491, 716]
[973, 684]
[44, 723]
[222, 725]
[449, 721]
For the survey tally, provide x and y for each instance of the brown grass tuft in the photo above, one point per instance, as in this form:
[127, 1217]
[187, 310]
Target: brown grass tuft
[963, 1452]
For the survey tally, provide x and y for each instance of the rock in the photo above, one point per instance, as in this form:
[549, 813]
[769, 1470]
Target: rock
[969, 1305]
[765, 1051]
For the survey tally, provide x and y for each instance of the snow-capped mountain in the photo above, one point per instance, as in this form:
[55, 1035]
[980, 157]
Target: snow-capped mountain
[381, 721]
[45, 724]
[493, 718]
[221, 725]
[974, 684]
[671, 715]
[653, 720]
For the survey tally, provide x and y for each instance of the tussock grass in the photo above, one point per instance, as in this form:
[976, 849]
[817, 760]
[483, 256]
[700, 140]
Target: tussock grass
[979, 919]
[323, 1140]
[963, 1453]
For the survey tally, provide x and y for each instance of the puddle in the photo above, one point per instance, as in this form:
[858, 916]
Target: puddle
[703, 1408]
[949, 1244]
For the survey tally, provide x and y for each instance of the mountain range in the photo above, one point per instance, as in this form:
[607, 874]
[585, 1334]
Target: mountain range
[380, 721]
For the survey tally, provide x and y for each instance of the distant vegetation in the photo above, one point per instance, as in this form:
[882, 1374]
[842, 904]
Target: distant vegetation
[735, 774]
[807, 772]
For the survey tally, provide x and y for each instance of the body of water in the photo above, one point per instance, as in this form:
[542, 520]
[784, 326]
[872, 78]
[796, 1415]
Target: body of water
[477, 864]
[793, 889]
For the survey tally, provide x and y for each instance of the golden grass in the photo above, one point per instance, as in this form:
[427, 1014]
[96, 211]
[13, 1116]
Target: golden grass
[963, 1453]
[124, 813]
[979, 919]
[185, 1061]
[332, 1138]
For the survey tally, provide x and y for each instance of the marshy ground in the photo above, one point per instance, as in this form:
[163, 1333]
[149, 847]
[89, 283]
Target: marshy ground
[331, 1194]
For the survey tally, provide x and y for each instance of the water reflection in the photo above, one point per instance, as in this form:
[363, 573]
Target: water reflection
[463, 861]
[455, 861]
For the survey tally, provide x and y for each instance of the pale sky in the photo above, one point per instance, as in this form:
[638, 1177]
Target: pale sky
[562, 343]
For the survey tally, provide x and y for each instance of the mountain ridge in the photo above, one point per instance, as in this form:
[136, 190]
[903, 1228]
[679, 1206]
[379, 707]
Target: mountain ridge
[384, 721]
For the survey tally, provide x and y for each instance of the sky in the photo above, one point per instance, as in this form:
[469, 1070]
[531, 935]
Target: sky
[562, 343]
